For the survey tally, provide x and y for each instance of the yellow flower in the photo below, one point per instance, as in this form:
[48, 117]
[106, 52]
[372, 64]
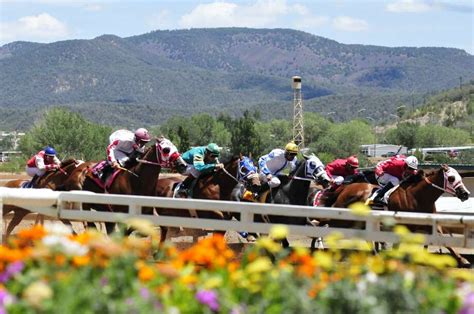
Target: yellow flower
[261, 264]
[268, 244]
[333, 240]
[188, 279]
[324, 259]
[36, 293]
[143, 226]
[376, 264]
[213, 282]
[359, 209]
[462, 274]
[279, 232]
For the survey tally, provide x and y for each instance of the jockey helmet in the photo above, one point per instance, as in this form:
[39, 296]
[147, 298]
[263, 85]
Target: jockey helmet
[412, 162]
[213, 149]
[291, 148]
[142, 134]
[49, 151]
[353, 162]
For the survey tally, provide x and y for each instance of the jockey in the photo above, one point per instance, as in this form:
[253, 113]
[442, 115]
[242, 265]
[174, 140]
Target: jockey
[339, 169]
[274, 162]
[45, 160]
[390, 172]
[200, 160]
[124, 143]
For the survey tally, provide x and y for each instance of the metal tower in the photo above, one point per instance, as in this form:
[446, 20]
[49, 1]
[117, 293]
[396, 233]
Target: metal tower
[298, 132]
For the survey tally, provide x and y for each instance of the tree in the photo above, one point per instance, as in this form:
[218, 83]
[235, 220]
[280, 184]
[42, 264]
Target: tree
[435, 135]
[69, 133]
[245, 138]
[404, 134]
[343, 139]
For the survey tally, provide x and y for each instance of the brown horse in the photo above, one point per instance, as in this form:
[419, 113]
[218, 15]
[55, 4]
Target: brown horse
[138, 179]
[219, 185]
[51, 180]
[417, 194]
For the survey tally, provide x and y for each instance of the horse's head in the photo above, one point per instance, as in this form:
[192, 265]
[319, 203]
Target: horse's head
[453, 182]
[166, 155]
[247, 174]
[314, 169]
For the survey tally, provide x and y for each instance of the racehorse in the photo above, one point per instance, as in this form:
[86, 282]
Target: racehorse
[417, 194]
[219, 185]
[51, 180]
[294, 190]
[138, 178]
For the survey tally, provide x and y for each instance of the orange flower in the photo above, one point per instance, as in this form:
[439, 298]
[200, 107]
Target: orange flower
[37, 232]
[60, 260]
[81, 260]
[146, 273]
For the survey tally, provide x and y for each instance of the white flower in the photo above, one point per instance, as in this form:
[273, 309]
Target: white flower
[67, 246]
[57, 228]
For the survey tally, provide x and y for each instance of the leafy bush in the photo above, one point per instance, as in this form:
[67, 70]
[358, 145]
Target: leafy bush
[48, 270]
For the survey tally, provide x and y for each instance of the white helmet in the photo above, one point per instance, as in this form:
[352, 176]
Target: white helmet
[412, 162]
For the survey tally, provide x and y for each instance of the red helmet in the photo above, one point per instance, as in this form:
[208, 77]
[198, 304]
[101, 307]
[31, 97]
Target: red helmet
[353, 162]
[142, 134]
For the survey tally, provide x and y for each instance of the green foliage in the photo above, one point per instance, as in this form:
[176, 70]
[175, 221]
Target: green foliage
[245, 138]
[344, 139]
[69, 133]
[14, 165]
[404, 134]
[433, 136]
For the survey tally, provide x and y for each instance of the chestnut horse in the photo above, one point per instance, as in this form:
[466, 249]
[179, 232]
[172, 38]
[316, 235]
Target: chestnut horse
[417, 194]
[138, 179]
[219, 185]
[51, 180]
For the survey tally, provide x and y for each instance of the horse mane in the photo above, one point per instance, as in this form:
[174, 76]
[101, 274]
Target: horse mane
[67, 162]
[414, 179]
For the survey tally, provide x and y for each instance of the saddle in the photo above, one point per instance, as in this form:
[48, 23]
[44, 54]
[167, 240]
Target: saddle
[102, 174]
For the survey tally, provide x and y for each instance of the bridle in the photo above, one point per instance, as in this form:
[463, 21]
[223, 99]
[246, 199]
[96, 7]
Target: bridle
[445, 189]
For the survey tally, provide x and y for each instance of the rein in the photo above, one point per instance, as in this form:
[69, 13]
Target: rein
[148, 162]
[438, 187]
[302, 178]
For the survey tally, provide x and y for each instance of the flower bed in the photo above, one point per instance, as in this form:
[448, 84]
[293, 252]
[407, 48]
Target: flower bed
[48, 270]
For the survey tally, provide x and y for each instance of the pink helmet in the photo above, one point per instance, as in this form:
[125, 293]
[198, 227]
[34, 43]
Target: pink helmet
[142, 134]
[353, 161]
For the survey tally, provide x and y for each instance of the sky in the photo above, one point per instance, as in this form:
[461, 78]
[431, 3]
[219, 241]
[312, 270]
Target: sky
[390, 23]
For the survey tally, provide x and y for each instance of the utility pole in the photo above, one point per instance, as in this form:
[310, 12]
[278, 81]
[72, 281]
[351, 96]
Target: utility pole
[298, 130]
[460, 82]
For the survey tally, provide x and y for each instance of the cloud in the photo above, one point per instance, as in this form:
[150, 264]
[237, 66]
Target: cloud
[409, 6]
[262, 13]
[160, 20]
[349, 24]
[42, 27]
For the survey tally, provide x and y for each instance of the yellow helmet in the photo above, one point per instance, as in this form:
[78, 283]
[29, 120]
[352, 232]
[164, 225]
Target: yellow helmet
[291, 148]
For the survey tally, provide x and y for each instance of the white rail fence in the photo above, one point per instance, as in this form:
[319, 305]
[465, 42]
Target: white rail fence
[68, 205]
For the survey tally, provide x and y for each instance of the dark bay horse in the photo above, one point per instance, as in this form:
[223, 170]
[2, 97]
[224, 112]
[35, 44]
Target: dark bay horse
[294, 190]
[417, 194]
[219, 185]
[51, 180]
[138, 179]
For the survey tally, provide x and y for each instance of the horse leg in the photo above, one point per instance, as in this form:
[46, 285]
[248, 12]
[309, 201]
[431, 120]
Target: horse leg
[18, 215]
[459, 258]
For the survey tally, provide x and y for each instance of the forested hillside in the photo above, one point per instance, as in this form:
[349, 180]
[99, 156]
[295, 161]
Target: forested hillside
[146, 79]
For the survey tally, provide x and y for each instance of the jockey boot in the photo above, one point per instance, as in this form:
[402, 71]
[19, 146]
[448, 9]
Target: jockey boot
[185, 185]
[33, 182]
[379, 195]
[106, 172]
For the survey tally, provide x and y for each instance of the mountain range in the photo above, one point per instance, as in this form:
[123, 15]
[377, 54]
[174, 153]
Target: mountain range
[145, 79]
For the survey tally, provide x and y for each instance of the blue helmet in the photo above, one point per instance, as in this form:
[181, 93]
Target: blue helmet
[49, 151]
